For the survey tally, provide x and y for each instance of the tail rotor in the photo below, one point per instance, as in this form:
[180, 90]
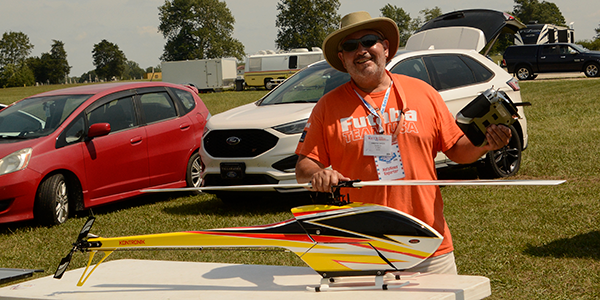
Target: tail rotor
[81, 244]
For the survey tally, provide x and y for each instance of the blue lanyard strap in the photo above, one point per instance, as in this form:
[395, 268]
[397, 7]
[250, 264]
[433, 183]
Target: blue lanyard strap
[376, 113]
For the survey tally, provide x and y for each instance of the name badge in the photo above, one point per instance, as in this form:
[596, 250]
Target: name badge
[377, 145]
[390, 167]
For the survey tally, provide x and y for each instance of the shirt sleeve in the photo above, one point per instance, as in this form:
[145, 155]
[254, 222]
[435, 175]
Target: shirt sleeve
[449, 132]
[312, 142]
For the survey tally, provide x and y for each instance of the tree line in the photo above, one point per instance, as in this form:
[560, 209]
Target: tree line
[305, 23]
[17, 68]
[202, 29]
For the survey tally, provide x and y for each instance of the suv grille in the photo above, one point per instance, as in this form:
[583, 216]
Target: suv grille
[238, 143]
[249, 179]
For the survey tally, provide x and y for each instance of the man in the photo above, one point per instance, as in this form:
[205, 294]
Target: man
[384, 126]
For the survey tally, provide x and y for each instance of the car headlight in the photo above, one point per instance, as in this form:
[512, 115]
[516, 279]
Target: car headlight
[292, 128]
[205, 132]
[15, 161]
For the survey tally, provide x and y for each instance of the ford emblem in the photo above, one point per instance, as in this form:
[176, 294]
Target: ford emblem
[233, 140]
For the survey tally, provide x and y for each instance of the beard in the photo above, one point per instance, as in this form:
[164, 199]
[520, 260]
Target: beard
[366, 70]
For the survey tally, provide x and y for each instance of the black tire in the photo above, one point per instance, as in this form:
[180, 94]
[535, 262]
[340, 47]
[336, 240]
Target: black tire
[503, 162]
[269, 85]
[592, 69]
[193, 176]
[524, 72]
[52, 205]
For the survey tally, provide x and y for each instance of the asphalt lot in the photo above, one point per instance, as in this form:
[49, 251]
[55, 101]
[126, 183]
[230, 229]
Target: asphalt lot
[560, 75]
[551, 76]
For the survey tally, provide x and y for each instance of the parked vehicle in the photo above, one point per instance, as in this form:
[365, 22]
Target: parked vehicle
[527, 60]
[544, 34]
[268, 69]
[80, 147]
[255, 143]
[204, 74]
[490, 23]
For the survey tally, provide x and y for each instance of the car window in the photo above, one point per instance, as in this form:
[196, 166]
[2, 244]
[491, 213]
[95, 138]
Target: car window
[550, 50]
[157, 107]
[307, 86]
[254, 64]
[579, 48]
[481, 73]
[570, 50]
[293, 62]
[73, 133]
[118, 113]
[187, 99]
[36, 117]
[451, 71]
[414, 67]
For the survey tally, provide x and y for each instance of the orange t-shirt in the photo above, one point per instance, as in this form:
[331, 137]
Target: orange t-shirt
[334, 137]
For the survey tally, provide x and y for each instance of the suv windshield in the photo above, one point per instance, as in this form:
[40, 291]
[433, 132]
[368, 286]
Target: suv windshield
[307, 86]
[36, 117]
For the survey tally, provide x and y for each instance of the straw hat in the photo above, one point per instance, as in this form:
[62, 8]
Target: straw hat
[354, 22]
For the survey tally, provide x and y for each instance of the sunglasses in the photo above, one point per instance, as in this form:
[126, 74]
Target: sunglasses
[367, 41]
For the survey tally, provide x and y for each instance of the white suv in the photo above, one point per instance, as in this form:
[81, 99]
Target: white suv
[255, 143]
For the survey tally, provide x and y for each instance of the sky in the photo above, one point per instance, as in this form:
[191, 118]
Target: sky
[133, 24]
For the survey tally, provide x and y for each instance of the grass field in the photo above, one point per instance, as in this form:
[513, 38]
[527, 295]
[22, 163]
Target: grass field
[216, 102]
[531, 242]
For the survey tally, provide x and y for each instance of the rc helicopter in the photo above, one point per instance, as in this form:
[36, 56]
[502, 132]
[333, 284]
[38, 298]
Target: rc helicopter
[338, 239]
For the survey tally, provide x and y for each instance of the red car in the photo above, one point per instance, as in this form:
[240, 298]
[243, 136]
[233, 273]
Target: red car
[80, 147]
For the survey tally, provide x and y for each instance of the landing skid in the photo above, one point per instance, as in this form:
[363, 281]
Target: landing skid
[391, 280]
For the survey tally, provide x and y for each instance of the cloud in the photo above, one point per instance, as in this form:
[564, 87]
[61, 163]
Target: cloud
[148, 30]
[81, 36]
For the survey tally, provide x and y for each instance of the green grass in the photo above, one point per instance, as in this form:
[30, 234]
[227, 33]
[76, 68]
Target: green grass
[531, 242]
[220, 102]
[216, 102]
[10, 95]
[539, 242]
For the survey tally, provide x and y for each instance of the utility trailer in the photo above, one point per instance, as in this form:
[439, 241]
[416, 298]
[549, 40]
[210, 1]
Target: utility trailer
[205, 74]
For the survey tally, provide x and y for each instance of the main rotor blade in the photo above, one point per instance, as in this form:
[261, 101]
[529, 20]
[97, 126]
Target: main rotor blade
[456, 182]
[233, 188]
[363, 184]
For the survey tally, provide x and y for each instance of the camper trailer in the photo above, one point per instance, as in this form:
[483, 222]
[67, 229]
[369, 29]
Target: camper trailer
[268, 68]
[205, 74]
[544, 34]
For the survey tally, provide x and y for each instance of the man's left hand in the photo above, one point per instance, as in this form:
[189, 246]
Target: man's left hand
[497, 137]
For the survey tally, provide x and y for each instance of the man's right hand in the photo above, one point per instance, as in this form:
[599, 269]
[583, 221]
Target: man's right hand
[321, 179]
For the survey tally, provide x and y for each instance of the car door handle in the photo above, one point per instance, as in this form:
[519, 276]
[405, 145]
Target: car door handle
[563, 56]
[135, 140]
[542, 57]
[185, 126]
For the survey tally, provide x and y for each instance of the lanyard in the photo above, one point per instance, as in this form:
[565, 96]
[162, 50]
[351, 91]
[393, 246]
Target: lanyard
[377, 113]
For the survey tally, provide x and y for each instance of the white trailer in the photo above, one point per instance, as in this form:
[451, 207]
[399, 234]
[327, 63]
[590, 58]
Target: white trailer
[205, 74]
[544, 34]
[268, 68]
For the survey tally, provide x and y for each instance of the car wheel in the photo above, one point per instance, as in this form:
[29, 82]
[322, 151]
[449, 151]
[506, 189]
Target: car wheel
[269, 85]
[193, 176]
[524, 73]
[503, 162]
[52, 201]
[592, 69]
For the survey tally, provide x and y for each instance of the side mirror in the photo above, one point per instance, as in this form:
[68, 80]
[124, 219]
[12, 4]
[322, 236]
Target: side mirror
[98, 129]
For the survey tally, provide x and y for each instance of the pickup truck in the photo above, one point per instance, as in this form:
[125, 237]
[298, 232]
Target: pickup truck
[527, 60]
